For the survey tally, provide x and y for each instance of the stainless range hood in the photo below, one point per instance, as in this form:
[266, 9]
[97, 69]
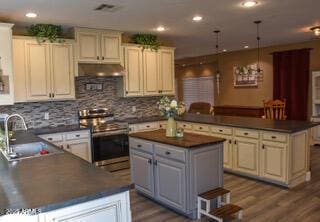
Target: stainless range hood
[101, 70]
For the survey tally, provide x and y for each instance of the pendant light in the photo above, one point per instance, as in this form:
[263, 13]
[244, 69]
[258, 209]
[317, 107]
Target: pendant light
[259, 70]
[217, 32]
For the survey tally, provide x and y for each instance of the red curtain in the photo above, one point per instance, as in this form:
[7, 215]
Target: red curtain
[291, 81]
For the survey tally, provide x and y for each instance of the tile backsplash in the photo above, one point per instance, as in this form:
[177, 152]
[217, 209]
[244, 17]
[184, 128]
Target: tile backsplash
[66, 112]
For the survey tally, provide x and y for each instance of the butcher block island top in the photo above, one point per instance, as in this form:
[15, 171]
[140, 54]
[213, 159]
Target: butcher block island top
[190, 140]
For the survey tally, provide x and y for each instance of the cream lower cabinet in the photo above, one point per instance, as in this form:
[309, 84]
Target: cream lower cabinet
[77, 142]
[42, 72]
[246, 155]
[274, 160]
[227, 150]
[149, 73]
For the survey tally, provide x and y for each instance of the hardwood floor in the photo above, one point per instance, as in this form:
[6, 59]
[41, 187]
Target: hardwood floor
[261, 201]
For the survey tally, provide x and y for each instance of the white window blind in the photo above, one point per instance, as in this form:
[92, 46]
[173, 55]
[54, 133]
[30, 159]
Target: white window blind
[198, 89]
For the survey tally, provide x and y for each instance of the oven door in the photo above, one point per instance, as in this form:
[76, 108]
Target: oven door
[111, 151]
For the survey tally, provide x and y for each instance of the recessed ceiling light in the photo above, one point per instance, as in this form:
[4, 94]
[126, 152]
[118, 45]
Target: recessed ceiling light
[197, 18]
[31, 15]
[246, 46]
[224, 50]
[160, 29]
[316, 30]
[249, 4]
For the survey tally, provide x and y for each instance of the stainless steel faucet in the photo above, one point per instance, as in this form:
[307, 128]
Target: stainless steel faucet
[6, 129]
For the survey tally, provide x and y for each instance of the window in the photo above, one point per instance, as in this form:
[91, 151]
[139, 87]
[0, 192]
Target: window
[198, 89]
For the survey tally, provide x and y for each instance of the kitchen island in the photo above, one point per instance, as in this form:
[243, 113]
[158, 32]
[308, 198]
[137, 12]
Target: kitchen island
[60, 187]
[173, 171]
[274, 151]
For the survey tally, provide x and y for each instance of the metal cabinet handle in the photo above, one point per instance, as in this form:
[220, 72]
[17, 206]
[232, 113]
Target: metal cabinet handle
[127, 92]
[263, 147]
[274, 137]
[98, 57]
[139, 145]
[235, 142]
[50, 139]
[200, 127]
[221, 130]
[50, 95]
[149, 161]
[78, 135]
[246, 134]
[155, 162]
[148, 126]
[230, 141]
[53, 95]
[102, 57]
[184, 125]
[68, 146]
[168, 153]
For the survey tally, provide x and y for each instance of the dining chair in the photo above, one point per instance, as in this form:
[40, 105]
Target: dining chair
[275, 109]
[200, 108]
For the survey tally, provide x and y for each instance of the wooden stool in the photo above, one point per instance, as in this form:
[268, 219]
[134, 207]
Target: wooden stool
[224, 208]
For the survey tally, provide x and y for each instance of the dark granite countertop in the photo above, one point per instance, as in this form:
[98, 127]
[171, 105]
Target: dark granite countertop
[58, 129]
[54, 181]
[285, 126]
[190, 140]
[136, 120]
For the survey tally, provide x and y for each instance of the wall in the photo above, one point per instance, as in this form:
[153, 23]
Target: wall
[244, 96]
[66, 112]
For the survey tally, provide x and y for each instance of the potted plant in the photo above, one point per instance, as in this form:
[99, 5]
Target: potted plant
[44, 32]
[170, 109]
[147, 41]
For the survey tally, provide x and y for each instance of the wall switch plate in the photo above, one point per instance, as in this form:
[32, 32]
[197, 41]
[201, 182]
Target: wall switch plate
[134, 109]
[46, 116]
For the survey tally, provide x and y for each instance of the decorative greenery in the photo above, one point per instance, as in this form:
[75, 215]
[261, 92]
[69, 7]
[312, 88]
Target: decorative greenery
[44, 32]
[147, 41]
[170, 108]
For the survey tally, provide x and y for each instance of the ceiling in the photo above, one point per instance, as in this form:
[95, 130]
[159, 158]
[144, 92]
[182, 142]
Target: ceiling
[284, 21]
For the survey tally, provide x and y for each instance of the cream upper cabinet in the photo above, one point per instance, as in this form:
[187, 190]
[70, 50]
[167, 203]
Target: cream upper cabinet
[42, 72]
[166, 74]
[246, 155]
[88, 46]
[274, 160]
[134, 69]
[98, 46]
[37, 71]
[151, 72]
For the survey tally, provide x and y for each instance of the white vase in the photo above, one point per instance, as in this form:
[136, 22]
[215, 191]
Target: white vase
[171, 128]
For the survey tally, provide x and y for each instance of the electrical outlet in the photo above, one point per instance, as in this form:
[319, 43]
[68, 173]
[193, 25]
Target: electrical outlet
[134, 109]
[46, 116]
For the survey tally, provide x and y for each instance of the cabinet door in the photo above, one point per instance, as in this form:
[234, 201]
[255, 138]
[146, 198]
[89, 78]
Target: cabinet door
[134, 75]
[110, 48]
[62, 76]
[80, 148]
[170, 180]
[37, 71]
[166, 75]
[246, 155]
[151, 72]
[142, 172]
[273, 161]
[88, 48]
[227, 150]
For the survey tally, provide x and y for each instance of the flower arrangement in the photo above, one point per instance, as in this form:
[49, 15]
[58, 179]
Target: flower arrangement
[170, 108]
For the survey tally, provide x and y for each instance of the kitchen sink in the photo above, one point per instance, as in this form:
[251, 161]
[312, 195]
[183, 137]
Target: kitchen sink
[30, 150]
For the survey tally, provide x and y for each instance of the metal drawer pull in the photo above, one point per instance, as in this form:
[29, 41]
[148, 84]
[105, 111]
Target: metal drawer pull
[139, 145]
[78, 135]
[50, 138]
[230, 141]
[200, 127]
[274, 137]
[148, 126]
[235, 142]
[246, 134]
[221, 130]
[149, 161]
[156, 162]
[168, 153]
[263, 146]
[184, 125]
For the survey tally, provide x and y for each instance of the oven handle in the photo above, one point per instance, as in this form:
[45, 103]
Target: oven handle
[110, 133]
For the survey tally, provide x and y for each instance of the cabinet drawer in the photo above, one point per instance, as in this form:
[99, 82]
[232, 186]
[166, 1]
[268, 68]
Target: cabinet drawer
[148, 126]
[247, 133]
[201, 127]
[171, 153]
[221, 130]
[77, 135]
[52, 137]
[184, 125]
[141, 145]
[274, 137]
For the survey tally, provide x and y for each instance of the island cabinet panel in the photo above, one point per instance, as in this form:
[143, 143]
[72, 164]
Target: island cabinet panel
[274, 160]
[142, 172]
[174, 176]
[246, 155]
[115, 208]
[170, 183]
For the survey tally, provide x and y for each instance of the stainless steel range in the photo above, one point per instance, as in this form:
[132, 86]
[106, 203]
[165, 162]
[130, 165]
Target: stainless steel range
[110, 139]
